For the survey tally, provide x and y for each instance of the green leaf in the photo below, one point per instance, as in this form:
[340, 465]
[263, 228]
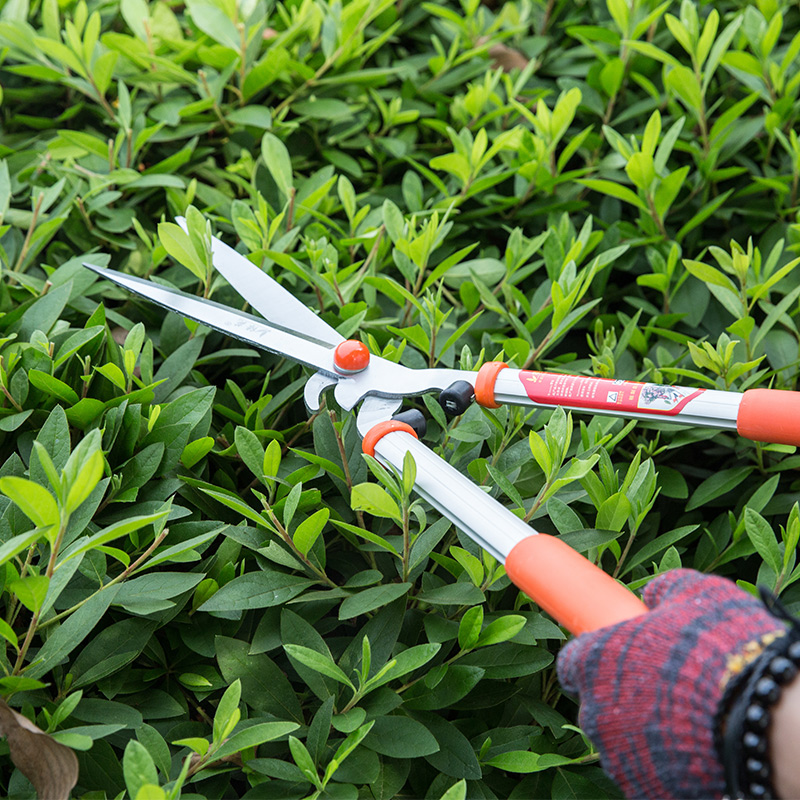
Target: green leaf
[372, 598]
[35, 501]
[668, 190]
[683, 82]
[454, 163]
[250, 450]
[501, 630]
[764, 540]
[401, 737]
[308, 531]
[177, 244]
[17, 544]
[256, 590]
[113, 373]
[214, 23]
[717, 485]
[91, 471]
[231, 500]
[276, 157]
[458, 681]
[227, 714]
[346, 748]
[265, 72]
[31, 591]
[194, 743]
[302, 758]
[611, 76]
[374, 500]
[7, 632]
[114, 531]
[318, 662]
[407, 661]
[458, 791]
[614, 190]
[53, 386]
[154, 592]
[254, 736]
[709, 274]
[138, 767]
[526, 762]
[469, 629]
[459, 594]
[614, 512]
[456, 756]
[196, 451]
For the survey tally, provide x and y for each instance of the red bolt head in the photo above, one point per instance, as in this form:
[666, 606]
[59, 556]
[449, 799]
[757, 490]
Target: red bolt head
[350, 357]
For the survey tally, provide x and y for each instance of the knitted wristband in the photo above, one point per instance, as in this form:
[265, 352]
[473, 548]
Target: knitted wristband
[743, 717]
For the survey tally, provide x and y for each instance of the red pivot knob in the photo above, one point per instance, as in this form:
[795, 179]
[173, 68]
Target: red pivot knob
[350, 357]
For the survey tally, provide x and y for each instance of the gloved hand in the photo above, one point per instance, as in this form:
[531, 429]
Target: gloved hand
[649, 687]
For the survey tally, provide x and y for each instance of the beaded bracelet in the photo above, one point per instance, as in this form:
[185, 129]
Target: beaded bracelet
[743, 718]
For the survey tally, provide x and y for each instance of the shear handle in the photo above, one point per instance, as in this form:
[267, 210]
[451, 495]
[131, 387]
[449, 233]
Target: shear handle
[574, 591]
[765, 415]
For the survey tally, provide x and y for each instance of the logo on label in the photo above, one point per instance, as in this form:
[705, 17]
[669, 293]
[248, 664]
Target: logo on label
[655, 394]
[612, 397]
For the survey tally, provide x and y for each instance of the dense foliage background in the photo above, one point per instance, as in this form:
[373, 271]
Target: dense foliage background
[595, 188]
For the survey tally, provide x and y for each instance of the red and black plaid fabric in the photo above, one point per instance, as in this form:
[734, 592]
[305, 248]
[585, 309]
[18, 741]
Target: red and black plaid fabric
[649, 687]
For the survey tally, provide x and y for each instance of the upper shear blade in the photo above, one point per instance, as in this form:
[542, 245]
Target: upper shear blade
[266, 295]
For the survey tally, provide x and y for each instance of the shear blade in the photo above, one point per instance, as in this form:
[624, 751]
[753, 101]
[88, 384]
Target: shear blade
[241, 326]
[265, 294]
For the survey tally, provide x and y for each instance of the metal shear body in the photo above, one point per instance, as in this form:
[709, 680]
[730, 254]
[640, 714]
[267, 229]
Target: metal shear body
[576, 592]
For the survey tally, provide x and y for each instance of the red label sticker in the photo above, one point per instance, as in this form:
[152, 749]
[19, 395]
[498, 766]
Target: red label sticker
[575, 391]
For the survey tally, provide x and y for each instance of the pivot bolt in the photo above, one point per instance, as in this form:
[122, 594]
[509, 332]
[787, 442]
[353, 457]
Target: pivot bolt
[350, 357]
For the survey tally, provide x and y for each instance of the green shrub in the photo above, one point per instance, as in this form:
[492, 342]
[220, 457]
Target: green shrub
[219, 595]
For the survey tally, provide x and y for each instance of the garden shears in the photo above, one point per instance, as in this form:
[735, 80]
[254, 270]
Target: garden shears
[578, 594]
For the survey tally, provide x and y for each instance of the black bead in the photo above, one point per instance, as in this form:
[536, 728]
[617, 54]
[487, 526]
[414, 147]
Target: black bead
[754, 743]
[782, 669]
[757, 769]
[757, 718]
[793, 653]
[767, 690]
[757, 791]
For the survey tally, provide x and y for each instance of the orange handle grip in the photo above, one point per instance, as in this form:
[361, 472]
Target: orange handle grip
[485, 381]
[770, 415]
[568, 586]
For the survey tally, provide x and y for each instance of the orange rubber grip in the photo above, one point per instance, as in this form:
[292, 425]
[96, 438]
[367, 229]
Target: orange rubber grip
[770, 415]
[579, 595]
[485, 381]
[377, 432]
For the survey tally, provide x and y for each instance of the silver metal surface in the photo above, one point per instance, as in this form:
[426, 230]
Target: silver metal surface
[242, 326]
[315, 386]
[387, 379]
[381, 378]
[471, 509]
[278, 305]
[375, 410]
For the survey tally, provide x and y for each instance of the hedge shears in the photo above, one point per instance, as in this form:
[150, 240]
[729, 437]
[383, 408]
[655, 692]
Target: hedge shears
[578, 594]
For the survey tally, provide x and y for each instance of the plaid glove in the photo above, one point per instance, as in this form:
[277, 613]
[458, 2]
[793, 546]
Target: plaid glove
[649, 687]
